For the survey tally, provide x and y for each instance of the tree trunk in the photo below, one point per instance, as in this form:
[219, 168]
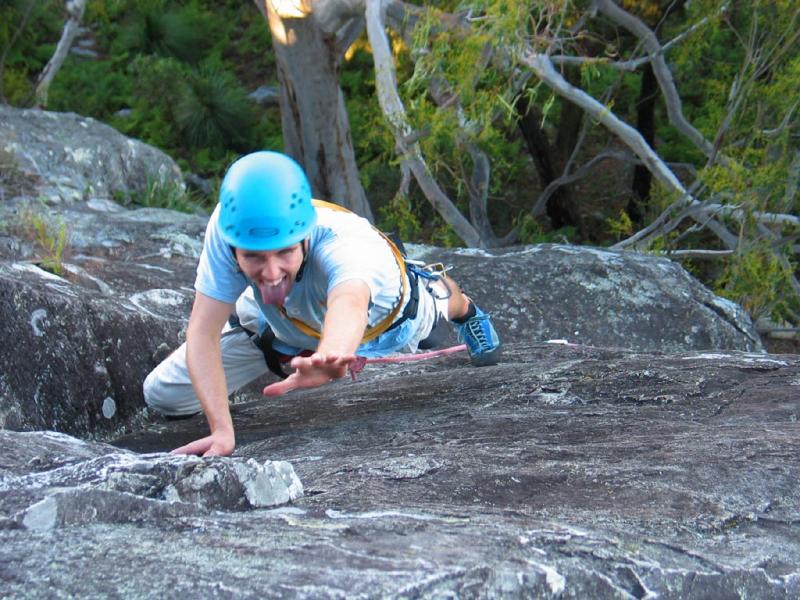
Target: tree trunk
[646, 124]
[75, 10]
[316, 129]
[535, 139]
[559, 207]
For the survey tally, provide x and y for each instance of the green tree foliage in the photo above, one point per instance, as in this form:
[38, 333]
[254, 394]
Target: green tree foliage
[28, 33]
[158, 27]
[743, 74]
[171, 73]
[183, 70]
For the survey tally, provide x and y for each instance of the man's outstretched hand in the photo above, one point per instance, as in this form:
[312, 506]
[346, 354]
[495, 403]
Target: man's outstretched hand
[216, 444]
[312, 371]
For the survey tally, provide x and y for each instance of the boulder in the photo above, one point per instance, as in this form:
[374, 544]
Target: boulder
[76, 347]
[75, 360]
[597, 297]
[77, 158]
[116, 486]
[566, 471]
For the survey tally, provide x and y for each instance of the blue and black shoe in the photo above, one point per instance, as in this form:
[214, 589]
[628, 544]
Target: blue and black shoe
[478, 333]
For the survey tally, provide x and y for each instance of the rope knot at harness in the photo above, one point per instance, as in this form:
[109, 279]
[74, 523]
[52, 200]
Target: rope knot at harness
[358, 365]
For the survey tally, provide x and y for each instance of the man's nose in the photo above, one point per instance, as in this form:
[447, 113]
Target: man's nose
[271, 270]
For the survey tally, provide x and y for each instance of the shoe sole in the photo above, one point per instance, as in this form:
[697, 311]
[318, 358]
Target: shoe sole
[486, 359]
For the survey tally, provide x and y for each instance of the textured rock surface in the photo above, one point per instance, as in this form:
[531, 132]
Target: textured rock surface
[66, 488]
[597, 297]
[75, 348]
[566, 471]
[70, 157]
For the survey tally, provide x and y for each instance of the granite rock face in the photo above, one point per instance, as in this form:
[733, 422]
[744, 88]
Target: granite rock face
[596, 297]
[70, 158]
[566, 472]
[76, 347]
[72, 482]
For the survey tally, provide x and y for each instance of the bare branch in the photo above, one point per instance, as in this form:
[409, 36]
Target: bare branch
[478, 182]
[701, 254]
[405, 181]
[349, 33]
[393, 109]
[541, 202]
[773, 133]
[661, 70]
[333, 15]
[634, 64]
[740, 214]
[543, 68]
[75, 10]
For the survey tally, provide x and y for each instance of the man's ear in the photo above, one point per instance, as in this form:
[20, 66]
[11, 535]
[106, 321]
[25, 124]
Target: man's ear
[235, 258]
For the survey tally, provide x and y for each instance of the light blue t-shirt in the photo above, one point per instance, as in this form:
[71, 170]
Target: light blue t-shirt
[342, 247]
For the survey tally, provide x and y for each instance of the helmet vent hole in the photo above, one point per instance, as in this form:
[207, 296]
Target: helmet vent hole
[291, 205]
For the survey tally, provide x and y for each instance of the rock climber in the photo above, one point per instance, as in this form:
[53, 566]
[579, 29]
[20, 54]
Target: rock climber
[284, 279]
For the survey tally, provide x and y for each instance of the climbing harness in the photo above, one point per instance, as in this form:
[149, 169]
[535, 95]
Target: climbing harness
[389, 321]
[263, 341]
[413, 270]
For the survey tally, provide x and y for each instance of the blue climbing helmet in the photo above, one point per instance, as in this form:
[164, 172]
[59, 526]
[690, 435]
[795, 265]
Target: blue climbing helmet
[265, 203]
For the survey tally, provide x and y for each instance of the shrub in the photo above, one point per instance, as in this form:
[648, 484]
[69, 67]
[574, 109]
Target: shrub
[49, 237]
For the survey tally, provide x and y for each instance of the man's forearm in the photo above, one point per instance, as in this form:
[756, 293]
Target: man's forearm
[204, 361]
[346, 319]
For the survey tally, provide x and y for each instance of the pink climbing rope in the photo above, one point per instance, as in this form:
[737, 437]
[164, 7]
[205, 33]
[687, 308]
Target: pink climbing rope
[358, 365]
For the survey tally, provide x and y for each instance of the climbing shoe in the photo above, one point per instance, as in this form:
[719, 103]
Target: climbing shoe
[478, 333]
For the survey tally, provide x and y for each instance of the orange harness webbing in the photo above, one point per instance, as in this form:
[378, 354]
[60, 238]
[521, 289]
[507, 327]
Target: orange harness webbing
[372, 332]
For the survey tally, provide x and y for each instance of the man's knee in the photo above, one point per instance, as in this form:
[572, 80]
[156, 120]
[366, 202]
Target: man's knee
[171, 399]
[152, 389]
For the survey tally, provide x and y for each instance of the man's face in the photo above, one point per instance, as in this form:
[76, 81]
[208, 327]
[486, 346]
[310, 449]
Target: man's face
[273, 271]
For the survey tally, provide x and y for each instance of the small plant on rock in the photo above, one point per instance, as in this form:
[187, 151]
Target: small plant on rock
[49, 237]
[164, 194]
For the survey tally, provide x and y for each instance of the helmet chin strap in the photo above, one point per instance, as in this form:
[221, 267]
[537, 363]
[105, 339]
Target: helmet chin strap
[304, 246]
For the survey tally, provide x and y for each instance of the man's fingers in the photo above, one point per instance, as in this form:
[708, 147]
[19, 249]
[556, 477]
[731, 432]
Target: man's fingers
[346, 360]
[196, 447]
[280, 387]
[311, 371]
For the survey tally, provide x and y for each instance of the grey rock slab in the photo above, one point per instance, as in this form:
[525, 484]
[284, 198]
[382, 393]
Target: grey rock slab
[75, 157]
[597, 297]
[74, 360]
[116, 486]
[566, 471]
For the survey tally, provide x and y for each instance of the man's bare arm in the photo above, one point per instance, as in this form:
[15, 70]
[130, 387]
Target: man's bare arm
[342, 331]
[204, 361]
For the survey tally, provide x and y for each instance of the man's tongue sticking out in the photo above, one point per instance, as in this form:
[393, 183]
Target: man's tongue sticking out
[275, 293]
